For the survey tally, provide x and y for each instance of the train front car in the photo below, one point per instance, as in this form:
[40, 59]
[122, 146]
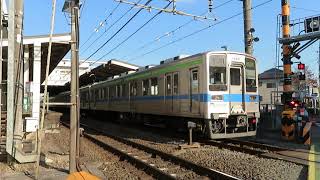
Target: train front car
[233, 100]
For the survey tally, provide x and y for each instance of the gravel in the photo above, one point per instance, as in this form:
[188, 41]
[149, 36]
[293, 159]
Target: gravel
[243, 165]
[238, 164]
[109, 164]
[168, 167]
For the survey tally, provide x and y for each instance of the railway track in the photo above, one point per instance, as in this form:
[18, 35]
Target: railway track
[156, 163]
[300, 157]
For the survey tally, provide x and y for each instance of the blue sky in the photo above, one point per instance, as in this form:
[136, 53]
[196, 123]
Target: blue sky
[229, 33]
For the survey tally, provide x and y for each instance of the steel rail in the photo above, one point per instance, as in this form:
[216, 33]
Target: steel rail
[200, 170]
[245, 147]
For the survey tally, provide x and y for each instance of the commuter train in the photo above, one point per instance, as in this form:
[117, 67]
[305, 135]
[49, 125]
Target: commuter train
[215, 90]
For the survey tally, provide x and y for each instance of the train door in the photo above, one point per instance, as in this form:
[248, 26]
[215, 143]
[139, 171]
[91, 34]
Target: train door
[236, 89]
[169, 93]
[194, 91]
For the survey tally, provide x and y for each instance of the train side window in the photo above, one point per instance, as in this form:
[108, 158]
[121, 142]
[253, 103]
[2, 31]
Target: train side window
[96, 94]
[106, 97]
[168, 84]
[124, 90]
[112, 90]
[102, 93]
[176, 83]
[118, 91]
[87, 96]
[145, 87]
[154, 86]
[235, 76]
[133, 89]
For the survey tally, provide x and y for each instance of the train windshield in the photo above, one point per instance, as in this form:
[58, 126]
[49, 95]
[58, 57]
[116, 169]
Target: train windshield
[251, 83]
[217, 73]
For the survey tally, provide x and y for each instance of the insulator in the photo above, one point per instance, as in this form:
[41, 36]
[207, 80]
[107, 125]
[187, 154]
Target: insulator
[210, 5]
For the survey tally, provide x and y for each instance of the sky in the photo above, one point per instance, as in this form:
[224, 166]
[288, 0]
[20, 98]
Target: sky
[226, 33]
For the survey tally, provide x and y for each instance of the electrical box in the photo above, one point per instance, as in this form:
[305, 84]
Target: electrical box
[32, 124]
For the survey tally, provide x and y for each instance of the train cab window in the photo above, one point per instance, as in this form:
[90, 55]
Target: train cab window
[145, 87]
[154, 86]
[251, 82]
[235, 76]
[176, 83]
[217, 73]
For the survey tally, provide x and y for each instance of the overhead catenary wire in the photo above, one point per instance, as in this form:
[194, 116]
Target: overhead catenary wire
[197, 31]
[305, 9]
[153, 17]
[101, 24]
[172, 31]
[105, 43]
[116, 21]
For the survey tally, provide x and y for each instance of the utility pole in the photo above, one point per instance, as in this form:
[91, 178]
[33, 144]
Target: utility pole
[75, 101]
[247, 19]
[15, 86]
[1, 45]
[319, 77]
[287, 86]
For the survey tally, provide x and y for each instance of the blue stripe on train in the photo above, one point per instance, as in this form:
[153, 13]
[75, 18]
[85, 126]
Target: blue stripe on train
[197, 97]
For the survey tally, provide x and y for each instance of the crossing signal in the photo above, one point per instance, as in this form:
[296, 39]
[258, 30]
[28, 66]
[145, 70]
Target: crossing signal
[301, 66]
[302, 76]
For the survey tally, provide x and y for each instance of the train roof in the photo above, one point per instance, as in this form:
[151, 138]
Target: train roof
[149, 68]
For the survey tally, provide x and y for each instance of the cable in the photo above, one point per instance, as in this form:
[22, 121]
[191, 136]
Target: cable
[304, 9]
[101, 24]
[198, 31]
[173, 31]
[132, 33]
[117, 32]
[82, 7]
[118, 20]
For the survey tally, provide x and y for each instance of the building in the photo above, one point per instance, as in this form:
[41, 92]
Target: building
[271, 86]
[62, 73]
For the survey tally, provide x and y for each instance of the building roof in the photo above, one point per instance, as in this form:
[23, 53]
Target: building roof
[272, 73]
[105, 70]
[60, 47]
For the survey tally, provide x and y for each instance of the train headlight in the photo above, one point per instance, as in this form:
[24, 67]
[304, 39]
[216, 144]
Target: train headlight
[253, 98]
[217, 97]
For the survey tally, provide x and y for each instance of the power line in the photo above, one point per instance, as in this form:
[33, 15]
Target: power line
[198, 31]
[101, 24]
[304, 9]
[173, 31]
[132, 34]
[116, 32]
[118, 20]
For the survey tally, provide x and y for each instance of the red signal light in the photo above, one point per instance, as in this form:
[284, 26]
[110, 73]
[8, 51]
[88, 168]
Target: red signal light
[301, 66]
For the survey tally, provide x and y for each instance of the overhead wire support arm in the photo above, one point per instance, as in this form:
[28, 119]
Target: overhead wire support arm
[172, 11]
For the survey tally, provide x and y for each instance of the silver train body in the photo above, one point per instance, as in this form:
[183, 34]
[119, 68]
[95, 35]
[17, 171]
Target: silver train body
[216, 90]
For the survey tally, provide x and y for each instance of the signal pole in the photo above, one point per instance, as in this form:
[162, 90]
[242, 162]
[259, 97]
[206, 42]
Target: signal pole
[247, 19]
